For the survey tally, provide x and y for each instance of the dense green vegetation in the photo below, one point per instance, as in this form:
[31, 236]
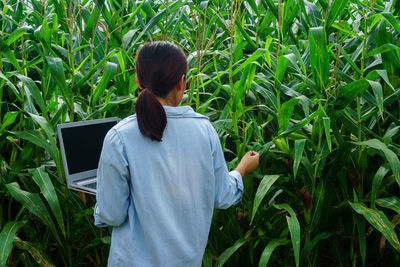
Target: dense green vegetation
[314, 86]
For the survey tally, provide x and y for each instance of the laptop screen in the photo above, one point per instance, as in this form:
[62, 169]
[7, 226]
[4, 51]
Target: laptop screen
[83, 145]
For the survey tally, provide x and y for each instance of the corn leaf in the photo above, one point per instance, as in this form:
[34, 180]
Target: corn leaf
[90, 73]
[389, 154]
[334, 11]
[269, 249]
[90, 23]
[382, 49]
[34, 204]
[379, 221]
[302, 7]
[15, 35]
[298, 150]
[42, 179]
[313, 13]
[265, 185]
[281, 67]
[310, 245]
[256, 55]
[245, 34]
[294, 229]
[350, 91]
[327, 127]
[12, 87]
[33, 90]
[391, 202]
[319, 57]
[318, 203]
[376, 183]
[378, 92]
[229, 252]
[48, 129]
[40, 257]
[286, 113]
[5, 49]
[153, 21]
[207, 258]
[109, 72]
[392, 20]
[362, 239]
[8, 119]
[299, 125]
[35, 137]
[6, 240]
[57, 70]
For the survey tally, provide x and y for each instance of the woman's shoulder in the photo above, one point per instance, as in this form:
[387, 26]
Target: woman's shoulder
[125, 124]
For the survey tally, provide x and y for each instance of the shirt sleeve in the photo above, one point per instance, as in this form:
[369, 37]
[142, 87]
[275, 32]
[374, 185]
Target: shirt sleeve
[228, 185]
[112, 197]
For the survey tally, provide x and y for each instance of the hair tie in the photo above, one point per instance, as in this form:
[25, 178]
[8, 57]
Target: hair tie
[148, 90]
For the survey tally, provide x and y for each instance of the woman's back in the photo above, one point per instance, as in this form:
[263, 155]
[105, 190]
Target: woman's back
[162, 171]
[164, 192]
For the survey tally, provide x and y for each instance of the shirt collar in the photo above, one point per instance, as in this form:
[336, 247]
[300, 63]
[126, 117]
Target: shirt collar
[178, 111]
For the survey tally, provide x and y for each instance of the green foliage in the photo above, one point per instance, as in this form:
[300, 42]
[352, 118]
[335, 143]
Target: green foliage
[6, 238]
[262, 190]
[314, 86]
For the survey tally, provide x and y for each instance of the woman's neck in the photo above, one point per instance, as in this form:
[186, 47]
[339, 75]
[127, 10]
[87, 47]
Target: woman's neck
[167, 101]
[172, 99]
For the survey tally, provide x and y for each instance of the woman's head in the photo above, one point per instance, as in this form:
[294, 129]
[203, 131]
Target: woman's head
[160, 66]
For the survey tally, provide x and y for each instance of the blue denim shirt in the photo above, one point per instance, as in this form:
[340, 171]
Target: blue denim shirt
[160, 196]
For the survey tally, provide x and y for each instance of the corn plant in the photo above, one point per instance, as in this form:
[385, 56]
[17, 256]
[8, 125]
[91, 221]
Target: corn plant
[314, 86]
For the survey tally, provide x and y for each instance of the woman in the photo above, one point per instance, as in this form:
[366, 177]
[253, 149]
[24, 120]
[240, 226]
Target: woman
[162, 171]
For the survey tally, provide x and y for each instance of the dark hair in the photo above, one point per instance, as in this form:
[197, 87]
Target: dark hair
[159, 67]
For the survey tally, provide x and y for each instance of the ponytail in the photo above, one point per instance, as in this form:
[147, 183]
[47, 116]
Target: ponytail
[150, 115]
[159, 67]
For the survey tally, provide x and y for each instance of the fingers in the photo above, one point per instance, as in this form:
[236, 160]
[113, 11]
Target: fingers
[249, 162]
[253, 153]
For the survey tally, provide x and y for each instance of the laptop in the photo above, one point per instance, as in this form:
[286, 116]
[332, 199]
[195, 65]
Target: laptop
[81, 144]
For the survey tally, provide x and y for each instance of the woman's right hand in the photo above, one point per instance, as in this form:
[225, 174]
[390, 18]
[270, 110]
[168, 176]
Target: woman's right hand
[248, 163]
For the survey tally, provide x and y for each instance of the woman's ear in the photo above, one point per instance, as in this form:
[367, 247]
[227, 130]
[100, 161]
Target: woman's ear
[182, 83]
[137, 82]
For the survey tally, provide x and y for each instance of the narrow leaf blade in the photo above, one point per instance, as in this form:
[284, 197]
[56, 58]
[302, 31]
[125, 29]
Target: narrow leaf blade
[42, 179]
[298, 148]
[262, 190]
[6, 240]
[379, 221]
[269, 249]
[229, 252]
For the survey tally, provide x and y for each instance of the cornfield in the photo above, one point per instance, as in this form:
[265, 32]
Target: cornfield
[314, 86]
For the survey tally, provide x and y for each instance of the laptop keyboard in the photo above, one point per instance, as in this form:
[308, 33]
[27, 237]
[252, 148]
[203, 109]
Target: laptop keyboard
[88, 183]
[92, 185]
